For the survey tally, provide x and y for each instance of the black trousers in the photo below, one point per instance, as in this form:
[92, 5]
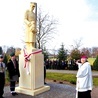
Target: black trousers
[2, 82]
[12, 86]
[86, 94]
[44, 73]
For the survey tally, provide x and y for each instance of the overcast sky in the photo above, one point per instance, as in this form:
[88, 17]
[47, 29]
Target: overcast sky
[78, 19]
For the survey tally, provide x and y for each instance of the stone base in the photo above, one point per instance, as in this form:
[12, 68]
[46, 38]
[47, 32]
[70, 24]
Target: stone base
[32, 92]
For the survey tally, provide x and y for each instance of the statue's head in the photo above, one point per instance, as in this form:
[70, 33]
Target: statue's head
[32, 5]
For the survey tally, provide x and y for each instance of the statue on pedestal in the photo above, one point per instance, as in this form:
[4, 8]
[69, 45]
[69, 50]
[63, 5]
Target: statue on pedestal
[33, 61]
[31, 30]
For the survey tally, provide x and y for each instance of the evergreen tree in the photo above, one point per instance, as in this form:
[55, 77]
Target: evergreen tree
[5, 59]
[95, 64]
[1, 51]
[75, 54]
[62, 54]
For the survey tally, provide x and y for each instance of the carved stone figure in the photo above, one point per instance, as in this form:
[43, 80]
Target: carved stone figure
[31, 30]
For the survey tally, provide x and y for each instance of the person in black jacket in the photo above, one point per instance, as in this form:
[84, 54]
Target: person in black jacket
[13, 70]
[2, 76]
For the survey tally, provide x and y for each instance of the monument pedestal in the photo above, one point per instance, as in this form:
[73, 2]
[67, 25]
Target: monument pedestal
[31, 81]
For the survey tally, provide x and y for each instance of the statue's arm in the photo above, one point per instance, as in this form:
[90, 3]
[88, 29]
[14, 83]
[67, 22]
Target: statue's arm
[26, 21]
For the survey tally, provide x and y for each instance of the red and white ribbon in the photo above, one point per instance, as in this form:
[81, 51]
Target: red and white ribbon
[27, 56]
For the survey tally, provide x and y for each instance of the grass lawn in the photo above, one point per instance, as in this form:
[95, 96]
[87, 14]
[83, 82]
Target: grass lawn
[71, 78]
[67, 77]
[91, 60]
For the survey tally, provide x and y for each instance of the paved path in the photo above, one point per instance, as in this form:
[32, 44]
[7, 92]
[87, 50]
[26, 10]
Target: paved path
[56, 91]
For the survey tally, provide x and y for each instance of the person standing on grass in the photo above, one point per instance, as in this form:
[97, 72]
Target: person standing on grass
[2, 76]
[84, 83]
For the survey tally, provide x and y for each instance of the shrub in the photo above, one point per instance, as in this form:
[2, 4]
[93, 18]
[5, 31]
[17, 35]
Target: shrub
[95, 64]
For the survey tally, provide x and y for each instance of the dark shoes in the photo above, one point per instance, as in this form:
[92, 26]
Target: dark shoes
[45, 83]
[2, 97]
[13, 94]
[16, 93]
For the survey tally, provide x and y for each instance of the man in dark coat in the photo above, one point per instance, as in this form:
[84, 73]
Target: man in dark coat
[2, 76]
[13, 69]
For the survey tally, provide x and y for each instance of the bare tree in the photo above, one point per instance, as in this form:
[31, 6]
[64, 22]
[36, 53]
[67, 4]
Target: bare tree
[86, 51]
[94, 51]
[75, 53]
[77, 43]
[46, 27]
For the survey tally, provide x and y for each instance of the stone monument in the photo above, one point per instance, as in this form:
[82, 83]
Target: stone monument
[31, 30]
[31, 60]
